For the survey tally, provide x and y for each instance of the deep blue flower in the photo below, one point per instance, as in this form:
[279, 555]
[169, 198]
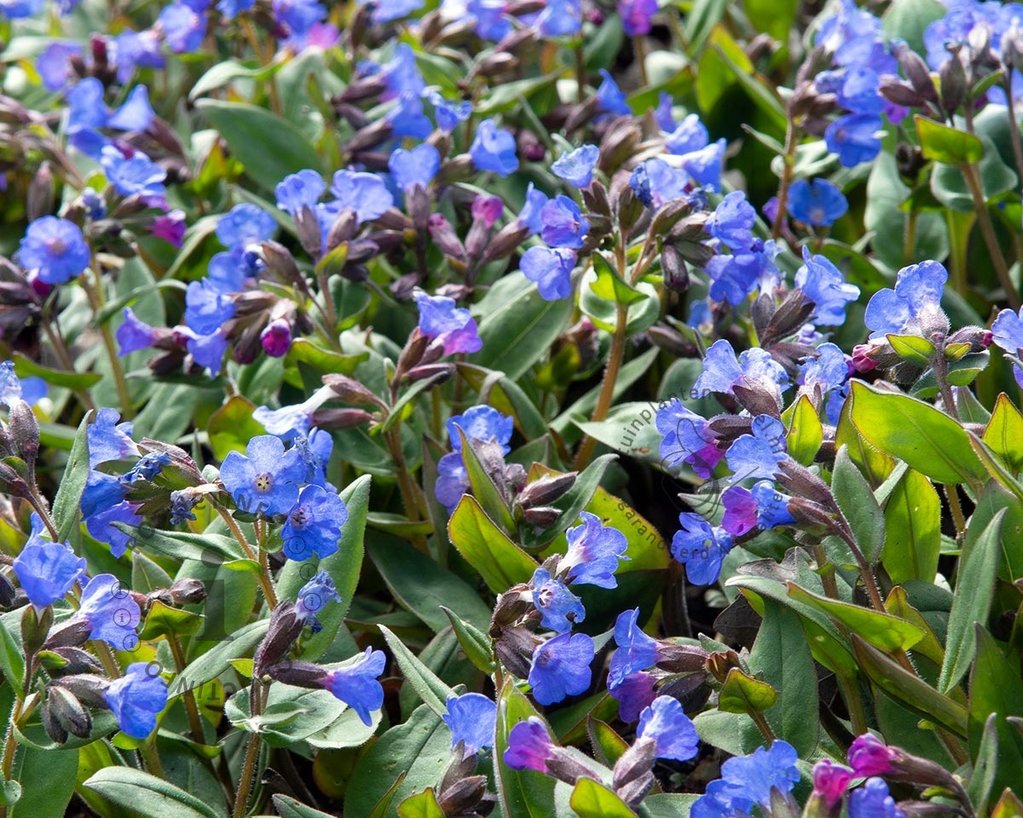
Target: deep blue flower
[364, 193]
[245, 224]
[493, 149]
[111, 612]
[137, 698]
[916, 297]
[415, 167]
[529, 216]
[55, 248]
[664, 114]
[1007, 334]
[183, 29]
[706, 165]
[594, 551]
[136, 114]
[147, 468]
[687, 438]
[314, 525]
[551, 270]
[492, 22]
[759, 453]
[736, 275]
[560, 18]
[636, 650]
[655, 182]
[452, 481]
[299, 190]
[577, 167]
[772, 506]
[408, 119]
[859, 90]
[298, 17]
[440, 318]
[137, 49]
[825, 285]
[136, 175]
[700, 547]
[206, 307]
[754, 776]
[134, 334]
[561, 667]
[732, 221]
[109, 440]
[754, 368]
[228, 271]
[46, 570]
[688, 136]
[472, 718]
[447, 113]
[558, 607]
[402, 74]
[633, 693]
[384, 11]
[357, 684]
[761, 507]
[854, 138]
[313, 597]
[86, 108]
[206, 350]
[265, 479]
[562, 224]
[671, 729]
[610, 97]
[232, 8]
[100, 523]
[828, 370]
[529, 746]
[817, 202]
[481, 423]
[314, 452]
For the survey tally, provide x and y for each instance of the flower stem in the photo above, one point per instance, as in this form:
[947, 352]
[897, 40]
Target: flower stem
[607, 386]
[788, 163]
[987, 230]
[264, 575]
[95, 296]
[251, 755]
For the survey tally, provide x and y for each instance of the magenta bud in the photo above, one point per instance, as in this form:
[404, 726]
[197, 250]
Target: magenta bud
[276, 338]
[487, 209]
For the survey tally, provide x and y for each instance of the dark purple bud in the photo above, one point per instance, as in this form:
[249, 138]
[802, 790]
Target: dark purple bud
[68, 712]
[546, 490]
[39, 201]
[299, 674]
[276, 338]
[341, 418]
[437, 373]
[188, 591]
[24, 429]
[285, 627]
[633, 772]
[444, 236]
[676, 273]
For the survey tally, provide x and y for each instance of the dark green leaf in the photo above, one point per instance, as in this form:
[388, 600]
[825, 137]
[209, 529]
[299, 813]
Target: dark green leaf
[856, 500]
[146, 795]
[499, 561]
[66, 513]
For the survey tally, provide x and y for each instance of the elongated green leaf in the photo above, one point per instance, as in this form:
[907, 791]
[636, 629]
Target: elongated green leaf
[805, 433]
[475, 643]
[290, 808]
[1004, 433]
[590, 799]
[430, 688]
[47, 779]
[25, 367]
[215, 661]
[912, 518]
[484, 488]
[944, 144]
[12, 660]
[147, 795]
[183, 545]
[996, 692]
[69, 494]
[880, 629]
[519, 792]
[856, 500]
[500, 562]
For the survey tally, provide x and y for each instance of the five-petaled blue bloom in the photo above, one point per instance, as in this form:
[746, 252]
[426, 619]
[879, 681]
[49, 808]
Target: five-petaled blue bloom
[749, 780]
[245, 224]
[732, 221]
[440, 318]
[577, 166]
[687, 438]
[481, 423]
[701, 547]
[46, 570]
[826, 371]
[855, 138]
[111, 612]
[636, 650]
[207, 308]
[762, 507]
[357, 685]
[1007, 334]
[551, 270]
[472, 718]
[133, 175]
[915, 301]
[561, 667]
[688, 136]
[562, 224]
[313, 526]
[137, 698]
[134, 334]
[594, 551]
[670, 728]
[817, 202]
[759, 453]
[824, 284]
[493, 149]
[754, 368]
[529, 746]
[299, 190]
[265, 479]
[364, 193]
[872, 800]
[558, 607]
[414, 167]
[313, 596]
[735, 275]
[109, 440]
[55, 248]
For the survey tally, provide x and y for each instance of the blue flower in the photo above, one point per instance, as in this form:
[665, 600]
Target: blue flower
[706, 165]
[762, 507]
[700, 547]
[183, 29]
[10, 384]
[529, 216]
[772, 506]
[136, 114]
[407, 118]
[558, 607]
[46, 570]
[245, 224]
[655, 182]
[817, 202]
[633, 693]
[577, 167]
[134, 175]
[917, 296]
[754, 368]
[562, 224]
[137, 698]
[493, 149]
[824, 284]
[103, 504]
[147, 468]
[749, 780]
[364, 193]
[313, 597]
[551, 270]
[415, 167]
[86, 108]
[109, 440]
[688, 136]
[826, 371]
[481, 423]
[356, 684]
[385, 12]
[594, 551]
[735, 276]
[133, 49]
[1007, 334]
[55, 248]
[529, 746]
[636, 16]
[854, 138]
[265, 479]
[670, 728]
[111, 612]
[636, 650]
[402, 74]
[54, 64]
[314, 525]
[561, 667]
[560, 18]
[299, 190]
[134, 334]
[687, 438]
[472, 718]
[610, 97]
[859, 90]
[872, 800]
[491, 21]
[440, 318]
[452, 481]
[732, 221]
[314, 452]
[206, 350]
[759, 453]
[206, 307]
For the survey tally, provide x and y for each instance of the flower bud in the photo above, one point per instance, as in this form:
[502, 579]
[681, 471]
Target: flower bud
[299, 674]
[464, 796]
[341, 418]
[39, 201]
[514, 648]
[24, 429]
[276, 338]
[675, 271]
[508, 239]
[953, 84]
[546, 490]
[68, 712]
[285, 627]
[188, 591]
[435, 373]
[35, 626]
[633, 772]
[445, 237]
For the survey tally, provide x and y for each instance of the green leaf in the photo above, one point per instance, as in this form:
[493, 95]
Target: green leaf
[610, 286]
[232, 426]
[975, 590]
[949, 185]
[907, 20]
[912, 520]
[269, 147]
[215, 661]
[859, 507]
[805, 432]
[912, 348]
[700, 22]
[146, 575]
[773, 17]
[421, 805]
[224, 73]
[499, 561]
[522, 793]
[981, 785]
[65, 511]
[506, 397]
[996, 692]
[430, 688]
[302, 350]
[908, 429]
[47, 780]
[25, 367]
[883, 630]
[484, 488]
[163, 620]
[475, 643]
[12, 659]
[184, 545]
[146, 795]
[591, 799]
[1004, 433]
[290, 808]
[949, 145]
[642, 312]
[741, 693]
[607, 745]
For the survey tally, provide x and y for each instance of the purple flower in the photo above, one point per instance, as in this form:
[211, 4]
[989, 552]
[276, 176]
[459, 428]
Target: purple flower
[245, 224]
[610, 97]
[169, 226]
[754, 368]
[356, 684]
[824, 284]
[137, 698]
[732, 221]
[636, 16]
[561, 667]
[54, 64]
[55, 249]
[759, 453]
[577, 167]
[916, 300]
[276, 338]
[472, 718]
[687, 438]
[817, 202]
[298, 191]
[415, 167]
[551, 270]
[636, 650]
[562, 224]
[453, 326]
[873, 801]
[633, 693]
[364, 193]
[134, 49]
[529, 746]
[594, 551]
[854, 138]
[762, 507]
[136, 175]
[735, 276]
[46, 570]
[830, 781]
[700, 547]
[868, 755]
[671, 729]
[493, 149]
[314, 525]
[558, 607]
[111, 612]
[109, 440]
[265, 479]
[313, 597]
